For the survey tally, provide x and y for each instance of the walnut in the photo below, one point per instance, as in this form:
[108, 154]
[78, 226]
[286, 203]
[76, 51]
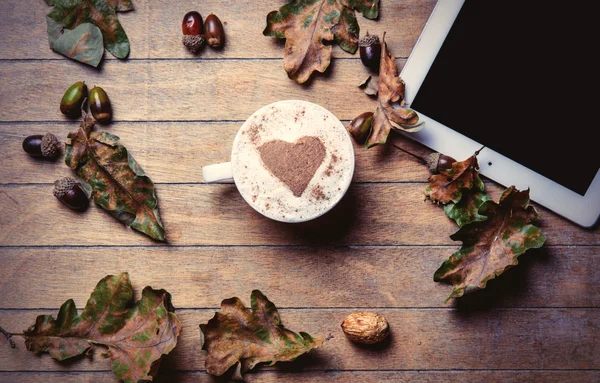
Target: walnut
[366, 327]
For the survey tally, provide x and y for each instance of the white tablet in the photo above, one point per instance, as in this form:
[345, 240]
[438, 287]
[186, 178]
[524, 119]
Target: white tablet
[518, 78]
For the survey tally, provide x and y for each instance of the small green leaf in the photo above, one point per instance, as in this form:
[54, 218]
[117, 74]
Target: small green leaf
[72, 13]
[467, 209]
[84, 44]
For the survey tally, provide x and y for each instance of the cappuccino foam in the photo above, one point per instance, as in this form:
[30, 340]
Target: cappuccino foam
[265, 187]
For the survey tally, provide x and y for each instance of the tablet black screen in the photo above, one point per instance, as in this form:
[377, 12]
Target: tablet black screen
[521, 78]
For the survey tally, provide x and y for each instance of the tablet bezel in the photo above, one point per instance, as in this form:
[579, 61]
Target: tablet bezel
[582, 210]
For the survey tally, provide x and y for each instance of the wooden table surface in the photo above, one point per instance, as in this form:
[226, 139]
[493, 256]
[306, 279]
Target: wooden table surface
[377, 250]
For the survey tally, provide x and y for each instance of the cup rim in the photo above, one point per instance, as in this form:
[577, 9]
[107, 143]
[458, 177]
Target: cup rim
[345, 187]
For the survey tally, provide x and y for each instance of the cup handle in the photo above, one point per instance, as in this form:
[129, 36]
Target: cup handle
[218, 172]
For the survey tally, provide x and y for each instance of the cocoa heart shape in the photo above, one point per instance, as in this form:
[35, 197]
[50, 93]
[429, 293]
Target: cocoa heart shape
[293, 164]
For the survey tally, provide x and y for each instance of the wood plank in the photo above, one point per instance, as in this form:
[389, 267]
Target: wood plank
[295, 277]
[431, 339]
[174, 152]
[329, 376]
[177, 90]
[369, 214]
[154, 29]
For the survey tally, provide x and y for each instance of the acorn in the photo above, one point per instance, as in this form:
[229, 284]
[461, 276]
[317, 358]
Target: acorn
[370, 51]
[360, 127]
[366, 327]
[100, 105]
[438, 161]
[193, 31]
[73, 99]
[70, 193]
[42, 146]
[215, 34]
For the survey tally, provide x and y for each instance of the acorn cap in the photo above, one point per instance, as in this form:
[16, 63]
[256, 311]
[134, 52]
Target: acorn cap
[63, 185]
[193, 42]
[368, 40]
[432, 162]
[50, 145]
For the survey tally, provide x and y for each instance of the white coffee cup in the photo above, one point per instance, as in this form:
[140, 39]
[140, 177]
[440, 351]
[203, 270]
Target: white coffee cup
[275, 153]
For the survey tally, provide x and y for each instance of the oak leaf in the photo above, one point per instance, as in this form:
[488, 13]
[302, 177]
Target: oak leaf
[119, 184]
[69, 14]
[491, 246]
[391, 92]
[308, 24]
[450, 184]
[135, 335]
[237, 336]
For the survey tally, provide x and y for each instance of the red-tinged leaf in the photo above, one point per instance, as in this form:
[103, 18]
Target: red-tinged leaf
[133, 335]
[492, 246]
[391, 92]
[308, 24]
[237, 336]
[119, 184]
[450, 184]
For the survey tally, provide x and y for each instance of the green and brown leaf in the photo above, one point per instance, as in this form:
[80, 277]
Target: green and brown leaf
[491, 246]
[84, 44]
[72, 13]
[133, 335]
[119, 184]
[450, 184]
[391, 91]
[307, 24]
[237, 336]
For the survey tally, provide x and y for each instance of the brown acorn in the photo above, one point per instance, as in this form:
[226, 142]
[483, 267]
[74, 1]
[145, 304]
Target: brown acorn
[370, 51]
[42, 146]
[193, 31]
[360, 127]
[438, 161]
[100, 105]
[215, 34]
[366, 327]
[70, 193]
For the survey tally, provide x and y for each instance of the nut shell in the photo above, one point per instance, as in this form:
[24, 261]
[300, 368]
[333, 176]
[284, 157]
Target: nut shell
[50, 145]
[193, 42]
[67, 190]
[63, 185]
[214, 32]
[438, 161]
[366, 327]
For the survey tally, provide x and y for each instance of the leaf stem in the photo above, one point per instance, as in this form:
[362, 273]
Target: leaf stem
[8, 336]
[421, 159]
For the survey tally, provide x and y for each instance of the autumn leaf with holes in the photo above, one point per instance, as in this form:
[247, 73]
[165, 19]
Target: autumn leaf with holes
[134, 335]
[492, 246]
[237, 336]
[67, 15]
[307, 25]
[119, 184]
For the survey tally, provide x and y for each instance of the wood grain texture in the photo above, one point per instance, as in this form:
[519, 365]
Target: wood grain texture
[296, 277]
[154, 29]
[369, 214]
[174, 152]
[268, 376]
[178, 90]
[421, 340]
